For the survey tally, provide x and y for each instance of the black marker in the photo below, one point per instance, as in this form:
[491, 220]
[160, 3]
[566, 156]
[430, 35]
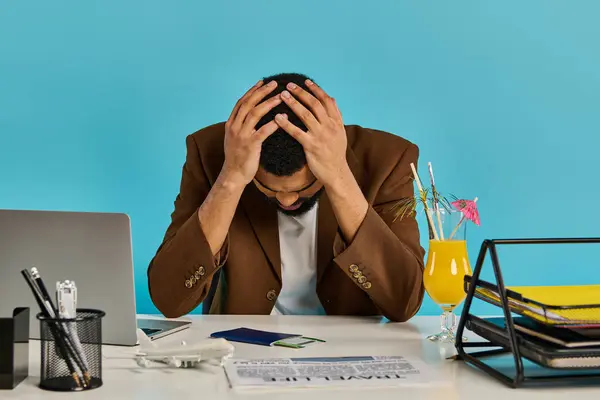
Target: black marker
[40, 284]
[35, 290]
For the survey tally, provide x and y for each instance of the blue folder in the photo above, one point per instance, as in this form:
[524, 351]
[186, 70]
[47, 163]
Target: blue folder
[253, 336]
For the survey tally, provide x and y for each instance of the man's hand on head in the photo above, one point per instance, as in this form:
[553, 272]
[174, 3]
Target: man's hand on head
[325, 140]
[325, 144]
[242, 146]
[242, 141]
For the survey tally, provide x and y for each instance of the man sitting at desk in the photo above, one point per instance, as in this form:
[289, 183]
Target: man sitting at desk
[283, 209]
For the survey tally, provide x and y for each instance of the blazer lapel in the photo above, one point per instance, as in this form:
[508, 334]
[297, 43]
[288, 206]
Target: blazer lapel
[263, 219]
[327, 225]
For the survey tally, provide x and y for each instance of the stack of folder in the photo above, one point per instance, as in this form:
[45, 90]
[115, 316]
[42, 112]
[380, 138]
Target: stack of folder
[555, 326]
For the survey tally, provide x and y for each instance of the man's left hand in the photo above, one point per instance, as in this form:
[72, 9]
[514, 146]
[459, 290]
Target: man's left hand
[325, 141]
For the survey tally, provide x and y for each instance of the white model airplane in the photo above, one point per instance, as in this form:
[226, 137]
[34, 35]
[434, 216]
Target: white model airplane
[212, 351]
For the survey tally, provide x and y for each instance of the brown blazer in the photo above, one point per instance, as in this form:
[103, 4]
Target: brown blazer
[378, 273]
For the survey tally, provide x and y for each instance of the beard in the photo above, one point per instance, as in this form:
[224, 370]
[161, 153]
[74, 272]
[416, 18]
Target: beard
[307, 204]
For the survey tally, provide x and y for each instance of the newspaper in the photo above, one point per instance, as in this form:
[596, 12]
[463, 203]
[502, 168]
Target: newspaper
[367, 371]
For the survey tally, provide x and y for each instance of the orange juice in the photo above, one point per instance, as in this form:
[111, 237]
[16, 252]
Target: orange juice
[447, 265]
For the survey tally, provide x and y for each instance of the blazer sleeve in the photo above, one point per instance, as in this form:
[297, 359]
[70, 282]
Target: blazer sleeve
[180, 273]
[385, 258]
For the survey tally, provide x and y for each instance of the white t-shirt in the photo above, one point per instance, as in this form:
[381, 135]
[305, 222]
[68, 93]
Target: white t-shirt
[298, 249]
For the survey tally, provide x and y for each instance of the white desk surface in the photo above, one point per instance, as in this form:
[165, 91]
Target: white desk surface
[345, 336]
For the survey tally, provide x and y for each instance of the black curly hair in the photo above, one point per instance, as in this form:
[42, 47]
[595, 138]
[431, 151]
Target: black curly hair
[281, 154]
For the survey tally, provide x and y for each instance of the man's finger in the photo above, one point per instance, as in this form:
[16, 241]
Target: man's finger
[311, 101]
[243, 98]
[337, 110]
[302, 112]
[293, 130]
[324, 98]
[252, 101]
[265, 131]
[259, 111]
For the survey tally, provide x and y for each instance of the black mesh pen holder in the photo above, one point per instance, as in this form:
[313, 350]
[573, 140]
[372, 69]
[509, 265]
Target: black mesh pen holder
[71, 351]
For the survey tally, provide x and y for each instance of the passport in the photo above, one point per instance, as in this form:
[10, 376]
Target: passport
[265, 338]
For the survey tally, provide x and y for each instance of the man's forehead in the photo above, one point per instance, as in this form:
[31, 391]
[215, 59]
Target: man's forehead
[294, 182]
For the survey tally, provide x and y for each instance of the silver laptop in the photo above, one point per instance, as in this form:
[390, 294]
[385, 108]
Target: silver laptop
[93, 250]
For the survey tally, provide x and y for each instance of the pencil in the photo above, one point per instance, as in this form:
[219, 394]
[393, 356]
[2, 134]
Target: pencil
[44, 308]
[64, 329]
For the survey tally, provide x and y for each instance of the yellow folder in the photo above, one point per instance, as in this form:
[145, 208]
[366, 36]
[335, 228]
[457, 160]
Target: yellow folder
[561, 296]
[583, 303]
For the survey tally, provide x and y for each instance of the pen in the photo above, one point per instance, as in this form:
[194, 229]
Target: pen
[66, 299]
[40, 283]
[37, 279]
[77, 352]
[47, 311]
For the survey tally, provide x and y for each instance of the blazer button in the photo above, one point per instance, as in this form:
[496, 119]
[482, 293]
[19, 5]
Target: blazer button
[197, 275]
[367, 285]
[353, 268]
[271, 295]
[201, 270]
[188, 283]
[362, 279]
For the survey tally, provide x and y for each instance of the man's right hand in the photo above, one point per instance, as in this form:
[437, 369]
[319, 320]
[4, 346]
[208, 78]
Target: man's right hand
[242, 141]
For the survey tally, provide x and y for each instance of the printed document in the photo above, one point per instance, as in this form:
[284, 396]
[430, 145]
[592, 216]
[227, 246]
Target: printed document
[371, 371]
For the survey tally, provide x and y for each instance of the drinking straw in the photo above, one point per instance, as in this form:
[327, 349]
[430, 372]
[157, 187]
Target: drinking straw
[436, 206]
[424, 198]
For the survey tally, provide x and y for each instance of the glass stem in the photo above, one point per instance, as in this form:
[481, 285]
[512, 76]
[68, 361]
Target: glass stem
[448, 321]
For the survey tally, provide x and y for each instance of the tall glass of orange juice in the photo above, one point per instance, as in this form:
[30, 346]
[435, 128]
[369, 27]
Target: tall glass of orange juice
[445, 269]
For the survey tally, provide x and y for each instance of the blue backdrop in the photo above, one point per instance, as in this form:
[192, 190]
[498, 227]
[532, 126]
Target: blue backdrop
[96, 99]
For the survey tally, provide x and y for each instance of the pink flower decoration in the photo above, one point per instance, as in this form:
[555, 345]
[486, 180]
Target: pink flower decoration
[468, 208]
